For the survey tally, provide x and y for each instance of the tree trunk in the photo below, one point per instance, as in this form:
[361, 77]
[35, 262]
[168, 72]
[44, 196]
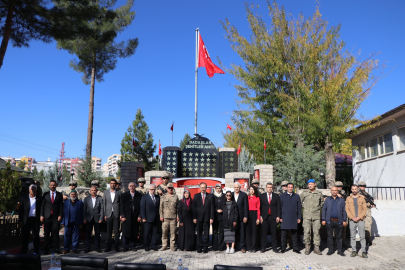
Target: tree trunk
[7, 33]
[91, 111]
[330, 174]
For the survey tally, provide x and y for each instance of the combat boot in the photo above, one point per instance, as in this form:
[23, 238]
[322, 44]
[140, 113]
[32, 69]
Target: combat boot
[317, 251]
[307, 248]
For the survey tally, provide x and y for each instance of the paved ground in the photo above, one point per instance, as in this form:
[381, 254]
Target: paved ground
[386, 253]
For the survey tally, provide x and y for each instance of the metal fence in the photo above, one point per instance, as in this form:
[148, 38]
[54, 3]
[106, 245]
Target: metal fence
[387, 193]
[10, 232]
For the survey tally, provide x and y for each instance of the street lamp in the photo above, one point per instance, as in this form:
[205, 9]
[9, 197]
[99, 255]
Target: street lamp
[323, 183]
[72, 173]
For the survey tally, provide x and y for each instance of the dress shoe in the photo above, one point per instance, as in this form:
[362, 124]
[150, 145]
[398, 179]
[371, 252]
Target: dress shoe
[65, 252]
[98, 250]
[282, 250]
[57, 251]
[297, 251]
[262, 251]
[214, 249]
[125, 249]
[147, 249]
[155, 249]
[75, 251]
[117, 250]
[243, 250]
[199, 250]
[107, 250]
[341, 253]
[330, 252]
[205, 250]
[275, 250]
[87, 250]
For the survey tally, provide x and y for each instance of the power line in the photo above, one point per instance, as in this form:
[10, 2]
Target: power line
[26, 141]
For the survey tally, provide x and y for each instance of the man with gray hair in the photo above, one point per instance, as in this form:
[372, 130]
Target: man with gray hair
[29, 212]
[150, 218]
[241, 200]
[93, 214]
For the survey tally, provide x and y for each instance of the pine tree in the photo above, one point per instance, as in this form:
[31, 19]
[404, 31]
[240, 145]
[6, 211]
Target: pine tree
[98, 53]
[22, 164]
[185, 140]
[24, 20]
[144, 149]
[299, 164]
[246, 162]
[10, 187]
[35, 173]
[85, 173]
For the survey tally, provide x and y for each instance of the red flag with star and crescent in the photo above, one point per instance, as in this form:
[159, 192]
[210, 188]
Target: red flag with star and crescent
[160, 149]
[204, 60]
[133, 142]
[228, 127]
[264, 145]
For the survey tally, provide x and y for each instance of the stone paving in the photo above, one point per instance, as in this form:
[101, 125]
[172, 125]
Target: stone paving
[386, 253]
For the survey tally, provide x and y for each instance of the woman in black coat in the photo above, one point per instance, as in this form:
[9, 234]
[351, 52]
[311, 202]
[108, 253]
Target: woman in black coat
[185, 239]
[230, 221]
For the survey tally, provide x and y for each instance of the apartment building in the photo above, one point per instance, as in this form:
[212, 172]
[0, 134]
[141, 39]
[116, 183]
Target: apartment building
[112, 162]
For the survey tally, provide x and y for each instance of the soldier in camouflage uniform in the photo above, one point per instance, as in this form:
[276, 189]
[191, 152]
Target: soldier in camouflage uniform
[312, 202]
[141, 188]
[168, 216]
[368, 220]
[284, 187]
[342, 194]
[96, 183]
[72, 185]
[256, 183]
[162, 189]
[118, 186]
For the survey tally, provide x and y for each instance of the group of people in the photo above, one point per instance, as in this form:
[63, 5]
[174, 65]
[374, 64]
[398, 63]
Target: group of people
[239, 220]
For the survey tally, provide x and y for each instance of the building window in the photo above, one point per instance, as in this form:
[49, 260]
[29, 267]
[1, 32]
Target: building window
[376, 146]
[401, 135]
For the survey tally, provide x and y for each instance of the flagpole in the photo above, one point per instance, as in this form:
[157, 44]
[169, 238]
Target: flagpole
[196, 77]
[264, 152]
[172, 131]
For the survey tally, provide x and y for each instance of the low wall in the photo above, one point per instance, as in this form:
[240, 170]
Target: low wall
[389, 219]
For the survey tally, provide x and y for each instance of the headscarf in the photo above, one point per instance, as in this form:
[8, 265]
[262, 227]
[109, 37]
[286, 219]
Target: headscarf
[187, 201]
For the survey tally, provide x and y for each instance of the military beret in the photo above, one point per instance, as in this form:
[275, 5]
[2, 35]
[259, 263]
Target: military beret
[338, 184]
[72, 182]
[311, 181]
[284, 183]
[141, 180]
[170, 185]
[362, 183]
[255, 181]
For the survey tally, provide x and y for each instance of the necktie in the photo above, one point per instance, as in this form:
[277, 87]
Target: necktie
[269, 205]
[203, 198]
[52, 203]
[154, 201]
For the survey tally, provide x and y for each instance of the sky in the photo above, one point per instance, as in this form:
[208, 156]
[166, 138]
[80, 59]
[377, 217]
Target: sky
[44, 102]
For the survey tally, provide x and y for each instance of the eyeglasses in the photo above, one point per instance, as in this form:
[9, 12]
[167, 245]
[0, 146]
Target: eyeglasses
[165, 178]
[362, 186]
[72, 185]
[228, 195]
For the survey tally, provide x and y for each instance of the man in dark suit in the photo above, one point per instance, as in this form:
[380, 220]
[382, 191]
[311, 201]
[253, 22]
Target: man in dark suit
[29, 211]
[270, 209]
[112, 199]
[203, 215]
[150, 217]
[130, 216]
[93, 213]
[51, 215]
[241, 200]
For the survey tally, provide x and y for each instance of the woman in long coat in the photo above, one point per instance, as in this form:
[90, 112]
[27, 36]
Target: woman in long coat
[230, 221]
[185, 240]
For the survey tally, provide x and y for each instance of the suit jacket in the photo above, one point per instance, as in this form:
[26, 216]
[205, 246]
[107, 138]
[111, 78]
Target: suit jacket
[47, 205]
[25, 206]
[150, 210]
[243, 205]
[109, 205]
[97, 212]
[129, 209]
[203, 212]
[67, 205]
[275, 206]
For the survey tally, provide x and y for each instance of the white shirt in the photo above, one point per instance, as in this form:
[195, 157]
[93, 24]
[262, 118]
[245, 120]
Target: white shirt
[236, 197]
[132, 194]
[112, 193]
[33, 202]
[289, 193]
[94, 201]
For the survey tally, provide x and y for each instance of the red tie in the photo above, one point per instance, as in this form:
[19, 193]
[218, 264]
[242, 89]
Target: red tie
[52, 203]
[269, 204]
[203, 199]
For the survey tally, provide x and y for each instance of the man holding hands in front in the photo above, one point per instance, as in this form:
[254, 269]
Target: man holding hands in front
[203, 215]
[270, 210]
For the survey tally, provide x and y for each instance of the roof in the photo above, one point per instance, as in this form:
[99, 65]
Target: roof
[391, 114]
[14, 168]
[343, 159]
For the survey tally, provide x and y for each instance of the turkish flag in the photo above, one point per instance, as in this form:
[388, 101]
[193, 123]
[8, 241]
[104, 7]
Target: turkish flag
[133, 142]
[238, 150]
[228, 127]
[264, 145]
[204, 60]
[160, 149]
[172, 127]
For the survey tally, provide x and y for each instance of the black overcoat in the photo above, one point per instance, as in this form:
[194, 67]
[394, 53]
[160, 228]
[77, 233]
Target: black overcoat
[130, 209]
[290, 211]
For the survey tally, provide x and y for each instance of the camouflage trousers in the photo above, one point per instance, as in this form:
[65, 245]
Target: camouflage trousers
[368, 221]
[169, 225]
[313, 225]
